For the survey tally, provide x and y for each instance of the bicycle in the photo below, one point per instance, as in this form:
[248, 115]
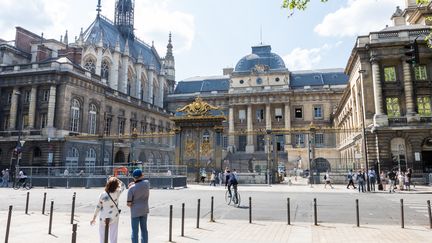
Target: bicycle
[24, 184]
[235, 198]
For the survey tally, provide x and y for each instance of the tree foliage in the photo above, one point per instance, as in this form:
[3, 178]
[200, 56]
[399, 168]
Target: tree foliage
[302, 4]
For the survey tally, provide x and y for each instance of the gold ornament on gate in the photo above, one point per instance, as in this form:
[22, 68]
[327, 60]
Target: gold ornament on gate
[198, 108]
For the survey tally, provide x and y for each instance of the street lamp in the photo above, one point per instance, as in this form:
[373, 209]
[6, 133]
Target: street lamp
[311, 134]
[268, 131]
[19, 143]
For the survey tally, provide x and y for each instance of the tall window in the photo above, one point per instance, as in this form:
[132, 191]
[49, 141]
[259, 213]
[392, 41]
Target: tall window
[45, 95]
[424, 106]
[107, 129]
[298, 112]
[121, 126]
[90, 65]
[420, 72]
[105, 70]
[27, 97]
[319, 139]
[72, 159]
[318, 112]
[299, 140]
[242, 115]
[5, 122]
[43, 120]
[260, 115]
[75, 116]
[390, 74]
[90, 160]
[278, 114]
[92, 117]
[9, 98]
[393, 108]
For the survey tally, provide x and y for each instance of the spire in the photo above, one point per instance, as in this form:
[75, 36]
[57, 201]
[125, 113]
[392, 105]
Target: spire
[98, 9]
[140, 57]
[124, 17]
[81, 37]
[169, 47]
[61, 38]
[66, 39]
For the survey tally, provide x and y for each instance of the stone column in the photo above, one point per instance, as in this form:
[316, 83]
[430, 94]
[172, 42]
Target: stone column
[250, 143]
[379, 117]
[13, 113]
[231, 138]
[287, 118]
[32, 107]
[268, 117]
[114, 71]
[124, 78]
[138, 68]
[161, 91]
[98, 60]
[409, 96]
[150, 86]
[51, 106]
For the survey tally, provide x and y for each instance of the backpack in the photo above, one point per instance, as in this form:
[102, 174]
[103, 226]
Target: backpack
[325, 177]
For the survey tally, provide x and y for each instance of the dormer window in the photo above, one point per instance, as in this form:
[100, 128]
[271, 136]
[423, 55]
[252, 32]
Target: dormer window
[259, 81]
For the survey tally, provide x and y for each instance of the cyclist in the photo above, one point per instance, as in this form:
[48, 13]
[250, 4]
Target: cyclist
[22, 178]
[231, 180]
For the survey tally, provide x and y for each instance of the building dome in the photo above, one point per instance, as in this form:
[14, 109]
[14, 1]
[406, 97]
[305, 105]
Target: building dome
[261, 57]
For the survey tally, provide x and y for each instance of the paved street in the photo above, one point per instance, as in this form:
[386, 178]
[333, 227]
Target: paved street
[379, 213]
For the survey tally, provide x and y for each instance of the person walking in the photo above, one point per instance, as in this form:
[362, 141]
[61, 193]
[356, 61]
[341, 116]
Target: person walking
[6, 178]
[350, 180]
[220, 178]
[327, 180]
[361, 180]
[107, 208]
[401, 180]
[383, 180]
[392, 177]
[213, 179]
[137, 200]
[372, 179]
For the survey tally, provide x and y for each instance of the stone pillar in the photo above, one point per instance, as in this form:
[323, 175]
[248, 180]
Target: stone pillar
[150, 86]
[13, 113]
[409, 96]
[124, 78]
[98, 60]
[268, 117]
[138, 68]
[161, 91]
[379, 118]
[51, 106]
[231, 137]
[287, 118]
[114, 72]
[250, 143]
[32, 107]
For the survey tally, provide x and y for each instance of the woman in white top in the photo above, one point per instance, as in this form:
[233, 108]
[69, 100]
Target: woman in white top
[107, 207]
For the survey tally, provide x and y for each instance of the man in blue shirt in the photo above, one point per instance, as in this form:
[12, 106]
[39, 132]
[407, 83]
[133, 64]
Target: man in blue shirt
[137, 200]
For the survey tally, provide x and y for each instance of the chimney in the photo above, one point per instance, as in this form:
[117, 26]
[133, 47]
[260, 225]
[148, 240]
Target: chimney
[410, 3]
[228, 71]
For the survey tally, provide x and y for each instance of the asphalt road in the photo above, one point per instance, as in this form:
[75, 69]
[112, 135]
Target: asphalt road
[334, 205]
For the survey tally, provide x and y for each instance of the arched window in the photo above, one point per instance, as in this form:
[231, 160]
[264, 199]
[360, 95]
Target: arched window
[92, 117]
[90, 160]
[105, 70]
[90, 65]
[75, 115]
[72, 159]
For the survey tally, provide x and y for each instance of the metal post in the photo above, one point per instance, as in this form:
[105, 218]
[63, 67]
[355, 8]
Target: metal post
[430, 214]
[107, 220]
[73, 208]
[183, 216]
[211, 210]
[250, 210]
[74, 234]
[402, 215]
[43, 203]
[8, 224]
[51, 216]
[288, 211]
[358, 213]
[170, 223]
[198, 212]
[27, 202]
[315, 212]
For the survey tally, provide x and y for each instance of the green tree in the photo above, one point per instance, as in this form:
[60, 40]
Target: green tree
[302, 4]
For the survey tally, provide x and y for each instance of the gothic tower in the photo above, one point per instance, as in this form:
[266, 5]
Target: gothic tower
[124, 17]
[169, 66]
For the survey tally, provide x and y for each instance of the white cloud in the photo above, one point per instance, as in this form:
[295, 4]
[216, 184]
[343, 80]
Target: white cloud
[358, 17]
[153, 20]
[304, 59]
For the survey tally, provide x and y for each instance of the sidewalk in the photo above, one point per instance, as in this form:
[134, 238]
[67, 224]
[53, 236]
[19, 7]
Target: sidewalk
[34, 228]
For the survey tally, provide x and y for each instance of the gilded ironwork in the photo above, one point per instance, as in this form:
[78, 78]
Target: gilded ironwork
[198, 108]
[190, 148]
[206, 148]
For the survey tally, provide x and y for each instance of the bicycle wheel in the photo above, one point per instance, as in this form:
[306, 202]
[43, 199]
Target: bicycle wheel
[27, 186]
[227, 198]
[236, 199]
[16, 185]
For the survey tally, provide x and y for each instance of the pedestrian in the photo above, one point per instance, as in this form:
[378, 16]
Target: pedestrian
[372, 179]
[406, 182]
[203, 175]
[391, 177]
[383, 180]
[361, 180]
[350, 179]
[213, 179]
[6, 178]
[107, 208]
[401, 178]
[220, 178]
[409, 175]
[327, 180]
[137, 200]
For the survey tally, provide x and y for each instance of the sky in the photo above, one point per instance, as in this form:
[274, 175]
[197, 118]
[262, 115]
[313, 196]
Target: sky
[210, 35]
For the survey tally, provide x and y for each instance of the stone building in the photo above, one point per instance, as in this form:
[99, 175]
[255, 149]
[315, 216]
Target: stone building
[388, 97]
[269, 111]
[107, 82]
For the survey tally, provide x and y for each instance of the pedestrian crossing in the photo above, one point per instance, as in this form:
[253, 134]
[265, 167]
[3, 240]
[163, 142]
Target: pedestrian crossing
[419, 207]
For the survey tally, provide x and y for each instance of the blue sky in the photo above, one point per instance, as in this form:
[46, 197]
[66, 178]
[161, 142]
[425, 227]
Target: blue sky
[209, 35]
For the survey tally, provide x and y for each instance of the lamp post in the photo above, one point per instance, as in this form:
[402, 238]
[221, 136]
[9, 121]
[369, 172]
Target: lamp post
[268, 131]
[311, 140]
[401, 151]
[19, 142]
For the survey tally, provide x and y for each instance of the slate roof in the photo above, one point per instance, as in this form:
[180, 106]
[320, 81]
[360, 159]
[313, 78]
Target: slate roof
[260, 55]
[300, 79]
[203, 84]
[110, 34]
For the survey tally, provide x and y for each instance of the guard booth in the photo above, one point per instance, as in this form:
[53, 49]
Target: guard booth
[198, 138]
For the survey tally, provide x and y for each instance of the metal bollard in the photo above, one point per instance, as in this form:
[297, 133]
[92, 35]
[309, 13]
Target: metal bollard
[315, 212]
[183, 216]
[51, 217]
[211, 210]
[288, 211]
[250, 210]
[74, 234]
[106, 230]
[402, 215]
[73, 208]
[170, 223]
[43, 203]
[357, 213]
[27, 202]
[198, 212]
[430, 214]
[8, 224]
